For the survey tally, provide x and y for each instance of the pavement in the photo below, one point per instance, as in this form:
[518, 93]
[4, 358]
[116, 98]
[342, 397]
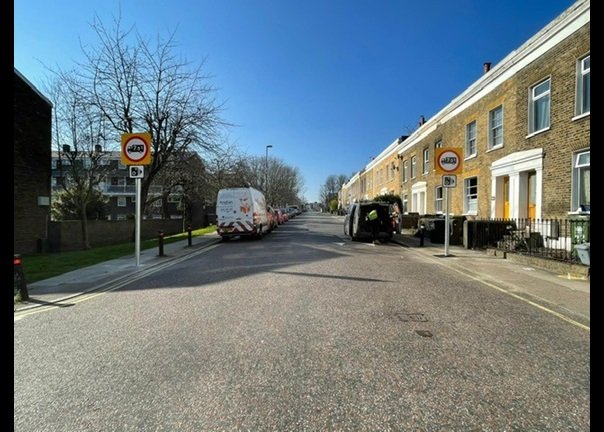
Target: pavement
[561, 295]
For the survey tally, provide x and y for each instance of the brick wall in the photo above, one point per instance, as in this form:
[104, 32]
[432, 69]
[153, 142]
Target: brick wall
[31, 163]
[67, 235]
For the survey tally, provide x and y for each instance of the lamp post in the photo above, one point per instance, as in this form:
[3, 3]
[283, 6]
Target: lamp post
[266, 170]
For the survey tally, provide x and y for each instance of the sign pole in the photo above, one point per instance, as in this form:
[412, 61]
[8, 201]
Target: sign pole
[137, 234]
[446, 221]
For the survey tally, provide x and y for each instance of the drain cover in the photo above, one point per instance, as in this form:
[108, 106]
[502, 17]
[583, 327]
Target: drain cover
[424, 333]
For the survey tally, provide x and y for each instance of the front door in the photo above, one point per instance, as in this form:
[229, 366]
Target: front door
[506, 197]
[532, 195]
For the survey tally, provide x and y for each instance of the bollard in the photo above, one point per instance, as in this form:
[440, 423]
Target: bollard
[190, 238]
[422, 233]
[19, 278]
[161, 242]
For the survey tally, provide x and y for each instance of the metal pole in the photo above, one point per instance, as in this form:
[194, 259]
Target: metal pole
[446, 221]
[137, 231]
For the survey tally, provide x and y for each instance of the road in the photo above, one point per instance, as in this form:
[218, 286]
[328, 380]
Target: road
[303, 330]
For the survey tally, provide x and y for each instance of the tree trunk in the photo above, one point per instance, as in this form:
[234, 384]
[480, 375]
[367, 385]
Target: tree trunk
[84, 220]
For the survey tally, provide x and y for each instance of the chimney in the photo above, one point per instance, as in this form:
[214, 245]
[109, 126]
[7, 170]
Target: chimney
[66, 148]
[486, 67]
[98, 148]
[422, 120]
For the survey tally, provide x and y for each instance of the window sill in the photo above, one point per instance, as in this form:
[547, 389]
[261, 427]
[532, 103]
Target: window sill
[580, 116]
[532, 134]
[495, 148]
[471, 157]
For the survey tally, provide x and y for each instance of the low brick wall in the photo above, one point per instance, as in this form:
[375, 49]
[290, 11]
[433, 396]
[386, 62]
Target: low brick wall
[67, 235]
[560, 267]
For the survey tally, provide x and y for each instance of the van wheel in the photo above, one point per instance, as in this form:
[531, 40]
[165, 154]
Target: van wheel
[260, 233]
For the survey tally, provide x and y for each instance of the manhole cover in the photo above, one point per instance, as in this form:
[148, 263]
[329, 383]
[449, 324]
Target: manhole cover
[424, 333]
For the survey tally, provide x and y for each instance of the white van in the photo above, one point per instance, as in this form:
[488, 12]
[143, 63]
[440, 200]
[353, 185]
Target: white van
[241, 212]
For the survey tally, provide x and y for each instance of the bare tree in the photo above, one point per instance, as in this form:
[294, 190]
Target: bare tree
[79, 139]
[141, 86]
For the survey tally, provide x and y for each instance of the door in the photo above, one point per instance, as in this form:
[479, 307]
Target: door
[506, 197]
[532, 195]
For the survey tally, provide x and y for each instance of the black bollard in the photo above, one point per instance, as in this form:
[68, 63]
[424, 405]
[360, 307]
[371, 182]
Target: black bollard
[161, 243]
[190, 237]
[422, 233]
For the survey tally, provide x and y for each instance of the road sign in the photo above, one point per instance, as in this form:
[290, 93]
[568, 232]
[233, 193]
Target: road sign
[136, 149]
[136, 171]
[448, 160]
[449, 181]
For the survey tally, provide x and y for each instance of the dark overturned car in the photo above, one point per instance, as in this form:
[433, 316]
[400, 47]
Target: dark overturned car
[358, 227]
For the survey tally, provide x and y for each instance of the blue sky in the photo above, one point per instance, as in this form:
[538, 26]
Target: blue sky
[327, 83]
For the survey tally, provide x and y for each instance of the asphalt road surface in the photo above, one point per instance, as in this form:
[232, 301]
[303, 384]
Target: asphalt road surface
[303, 330]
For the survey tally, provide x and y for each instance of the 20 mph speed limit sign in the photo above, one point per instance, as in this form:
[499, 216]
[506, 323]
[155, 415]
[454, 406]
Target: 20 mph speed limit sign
[136, 148]
[448, 160]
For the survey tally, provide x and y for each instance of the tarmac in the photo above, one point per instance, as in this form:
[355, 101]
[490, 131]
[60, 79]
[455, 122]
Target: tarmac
[561, 295]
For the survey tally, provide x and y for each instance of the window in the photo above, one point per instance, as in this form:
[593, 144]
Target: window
[496, 127]
[121, 201]
[471, 195]
[121, 217]
[413, 166]
[583, 86]
[405, 203]
[471, 139]
[406, 170]
[426, 160]
[581, 181]
[539, 106]
[53, 164]
[438, 144]
[438, 199]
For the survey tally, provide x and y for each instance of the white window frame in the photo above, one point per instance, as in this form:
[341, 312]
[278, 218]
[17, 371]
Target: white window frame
[533, 99]
[426, 160]
[121, 201]
[413, 166]
[405, 202]
[470, 200]
[493, 128]
[578, 167]
[471, 140]
[583, 74]
[406, 170]
[438, 199]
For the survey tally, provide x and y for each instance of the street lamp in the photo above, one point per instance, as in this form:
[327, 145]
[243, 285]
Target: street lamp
[266, 169]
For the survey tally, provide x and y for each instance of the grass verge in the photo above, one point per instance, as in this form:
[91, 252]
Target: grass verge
[43, 266]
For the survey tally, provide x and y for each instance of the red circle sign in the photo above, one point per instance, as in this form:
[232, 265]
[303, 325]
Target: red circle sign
[449, 161]
[136, 149]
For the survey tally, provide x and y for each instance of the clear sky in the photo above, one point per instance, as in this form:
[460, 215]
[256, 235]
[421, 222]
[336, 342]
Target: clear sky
[327, 83]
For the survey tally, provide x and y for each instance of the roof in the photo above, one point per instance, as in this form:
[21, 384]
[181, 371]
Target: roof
[33, 87]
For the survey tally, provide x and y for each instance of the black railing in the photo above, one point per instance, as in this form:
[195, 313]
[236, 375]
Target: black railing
[548, 238]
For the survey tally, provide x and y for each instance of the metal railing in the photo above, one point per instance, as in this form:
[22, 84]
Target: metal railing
[547, 238]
